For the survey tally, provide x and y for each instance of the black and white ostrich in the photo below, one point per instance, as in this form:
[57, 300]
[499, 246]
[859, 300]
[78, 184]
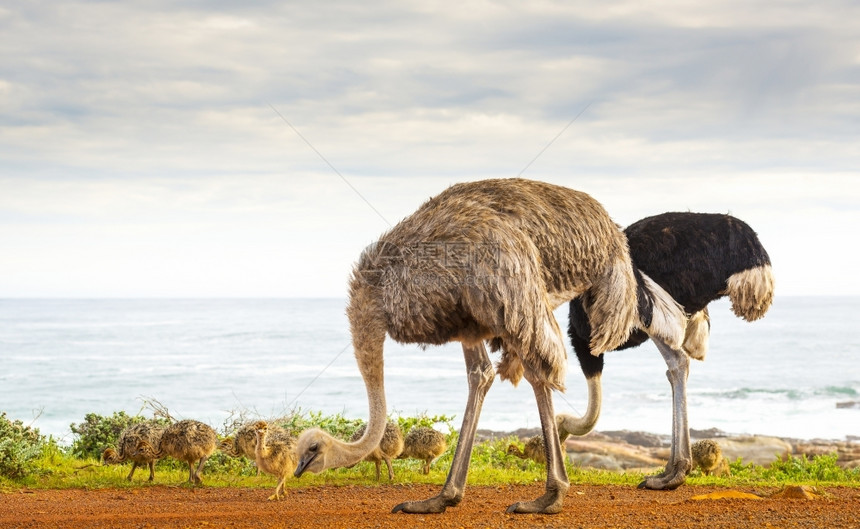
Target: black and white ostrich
[696, 258]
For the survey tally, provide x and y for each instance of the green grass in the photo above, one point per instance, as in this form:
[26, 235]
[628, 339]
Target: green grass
[52, 466]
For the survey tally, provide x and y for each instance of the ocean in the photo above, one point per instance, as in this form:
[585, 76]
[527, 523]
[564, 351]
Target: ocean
[208, 359]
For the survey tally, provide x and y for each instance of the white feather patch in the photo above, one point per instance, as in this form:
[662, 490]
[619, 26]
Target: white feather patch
[668, 320]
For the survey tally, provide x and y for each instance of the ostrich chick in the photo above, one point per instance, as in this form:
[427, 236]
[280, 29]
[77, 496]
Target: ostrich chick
[389, 448]
[533, 449]
[425, 444]
[275, 454]
[708, 456]
[244, 442]
[534, 446]
[187, 441]
[127, 443]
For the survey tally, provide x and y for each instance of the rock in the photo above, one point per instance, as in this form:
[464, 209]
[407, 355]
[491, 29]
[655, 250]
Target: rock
[639, 438]
[757, 449]
[602, 462]
[797, 492]
[610, 455]
[710, 433]
[849, 404]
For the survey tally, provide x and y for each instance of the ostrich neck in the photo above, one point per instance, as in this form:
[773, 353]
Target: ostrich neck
[571, 425]
[260, 449]
[152, 453]
[346, 454]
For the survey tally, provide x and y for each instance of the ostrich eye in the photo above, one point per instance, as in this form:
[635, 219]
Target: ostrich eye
[314, 447]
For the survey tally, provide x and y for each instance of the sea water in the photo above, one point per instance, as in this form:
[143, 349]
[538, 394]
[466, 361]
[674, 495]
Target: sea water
[209, 359]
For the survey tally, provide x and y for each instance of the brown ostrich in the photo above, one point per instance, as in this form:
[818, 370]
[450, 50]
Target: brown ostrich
[708, 457]
[275, 454]
[126, 447]
[486, 261]
[187, 441]
[243, 443]
[423, 443]
[389, 448]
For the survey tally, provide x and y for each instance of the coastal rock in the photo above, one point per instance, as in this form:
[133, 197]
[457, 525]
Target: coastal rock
[610, 455]
[757, 449]
[847, 452]
[626, 451]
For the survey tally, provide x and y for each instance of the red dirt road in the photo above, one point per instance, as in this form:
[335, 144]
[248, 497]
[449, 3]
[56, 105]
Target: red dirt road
[370, 507]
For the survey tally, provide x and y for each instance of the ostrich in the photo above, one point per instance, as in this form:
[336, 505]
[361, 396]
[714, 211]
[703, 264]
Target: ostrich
[534, 446]
[187, 441]
[533, 449]
[244, 441]
[275, 454]
[708, 456]
[696, 258]
[126, 444]
[486, 261]
[425, 444]
[389, 448]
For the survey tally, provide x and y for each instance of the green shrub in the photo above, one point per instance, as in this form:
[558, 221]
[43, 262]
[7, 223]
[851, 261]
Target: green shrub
[20, 448]
[337, 425]
[407, 423]
[801, 469]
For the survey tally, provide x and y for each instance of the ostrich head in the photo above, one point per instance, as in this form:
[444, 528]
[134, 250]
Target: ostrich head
[513, 449]
[261, 428]
[318, 451]
[110, 456]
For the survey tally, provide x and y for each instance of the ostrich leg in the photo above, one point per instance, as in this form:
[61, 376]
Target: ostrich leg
[480, 375]
[133, 468]
[556, 476]
[680, 459]
[197, 478]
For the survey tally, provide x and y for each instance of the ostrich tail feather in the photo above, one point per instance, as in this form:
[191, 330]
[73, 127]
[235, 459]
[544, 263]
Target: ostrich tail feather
[751, 292]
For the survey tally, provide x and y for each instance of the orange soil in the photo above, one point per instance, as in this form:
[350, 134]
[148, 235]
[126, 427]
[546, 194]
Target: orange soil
[370, 507]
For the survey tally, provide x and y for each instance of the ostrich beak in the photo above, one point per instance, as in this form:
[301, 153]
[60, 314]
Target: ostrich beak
[303, 464]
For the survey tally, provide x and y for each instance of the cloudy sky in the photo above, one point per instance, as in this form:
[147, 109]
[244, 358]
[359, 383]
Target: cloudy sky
[194, 148]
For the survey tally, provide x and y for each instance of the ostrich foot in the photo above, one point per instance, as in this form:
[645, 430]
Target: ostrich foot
[434, 505]
[550, 503]
[275, 497]
[670, 479]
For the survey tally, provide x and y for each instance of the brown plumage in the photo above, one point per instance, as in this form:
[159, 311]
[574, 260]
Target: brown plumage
[533, 449]
[126, 447]
[389, 447]
[275, 453]
[425, 444]
[243, 443]
[485, 261]
[187, 441]
[708, 457]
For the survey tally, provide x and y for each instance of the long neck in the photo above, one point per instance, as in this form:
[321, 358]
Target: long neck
[368, 328]
[347, 454]
[571, 425]
[260, 449]
[152, 452]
